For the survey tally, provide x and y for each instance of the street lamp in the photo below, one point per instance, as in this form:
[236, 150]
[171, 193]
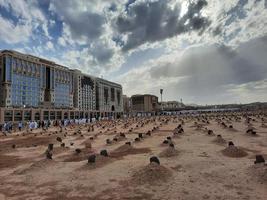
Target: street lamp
[161, 91]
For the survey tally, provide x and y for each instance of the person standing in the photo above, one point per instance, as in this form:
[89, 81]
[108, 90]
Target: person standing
[20, 126]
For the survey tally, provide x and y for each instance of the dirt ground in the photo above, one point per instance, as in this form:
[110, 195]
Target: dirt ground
[199, 166]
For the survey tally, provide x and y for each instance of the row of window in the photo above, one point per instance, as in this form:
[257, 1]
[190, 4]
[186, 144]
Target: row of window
[62, 97]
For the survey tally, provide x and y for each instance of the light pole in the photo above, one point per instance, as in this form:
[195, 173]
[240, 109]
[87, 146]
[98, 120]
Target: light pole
[161, 91]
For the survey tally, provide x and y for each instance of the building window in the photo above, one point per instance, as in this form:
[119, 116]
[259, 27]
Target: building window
[7, 63]
[106, 95]
[112, 91]
[119, 97]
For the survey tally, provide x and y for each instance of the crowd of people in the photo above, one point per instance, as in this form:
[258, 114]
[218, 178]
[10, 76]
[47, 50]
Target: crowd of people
[8, 127]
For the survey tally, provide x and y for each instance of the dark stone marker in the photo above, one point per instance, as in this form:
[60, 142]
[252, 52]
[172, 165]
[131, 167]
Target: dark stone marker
[115, 139]
[154, 159]
[13, 146]
[210, 132]
[259, 159]
[230, 143]
[59, 139]
[249, 130]
[172, 145]
[91, 158]
[62, 145]
[49, 154]
[104, 152]
[140, 135]
[169, 138]
[128, 143]
[181, 130]
[137, 139]
[50, 147]
[165, 142]
[78, 151]
[108, 141]
[91, 138]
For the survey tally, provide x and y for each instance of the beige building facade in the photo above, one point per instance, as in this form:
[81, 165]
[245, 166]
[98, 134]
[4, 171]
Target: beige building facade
[42, 87]
[144, 103]
[108, 96]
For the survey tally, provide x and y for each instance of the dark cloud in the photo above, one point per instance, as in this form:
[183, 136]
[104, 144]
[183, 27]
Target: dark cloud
[113, 7]
[217, 30]
[86, 25]
[237, 12]
[81, 23]
[150, 21]
[129, 2]
[209, 70]
[101, 53]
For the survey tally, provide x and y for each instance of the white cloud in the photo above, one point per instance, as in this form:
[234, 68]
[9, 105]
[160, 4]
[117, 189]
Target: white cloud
[61, 41]
[204, 74]
[29, 17]
[11, 33]
[49, 45]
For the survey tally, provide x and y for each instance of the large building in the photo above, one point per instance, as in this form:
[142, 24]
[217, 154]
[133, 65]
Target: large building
[108, 96]
[84, 91]
[33, 88]
[146, 103]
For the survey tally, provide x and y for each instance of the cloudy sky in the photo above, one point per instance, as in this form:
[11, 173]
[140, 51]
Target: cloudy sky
[203, 51]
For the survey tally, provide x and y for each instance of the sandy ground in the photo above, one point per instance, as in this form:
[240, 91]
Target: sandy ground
[198, 167]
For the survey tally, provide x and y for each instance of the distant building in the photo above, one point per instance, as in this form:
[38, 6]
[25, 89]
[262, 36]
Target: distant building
[126, 104]
[108, 96]
[171, 105]
[144, 103]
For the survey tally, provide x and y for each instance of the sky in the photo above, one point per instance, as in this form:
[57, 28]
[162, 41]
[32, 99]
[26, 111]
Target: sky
[200, 51]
